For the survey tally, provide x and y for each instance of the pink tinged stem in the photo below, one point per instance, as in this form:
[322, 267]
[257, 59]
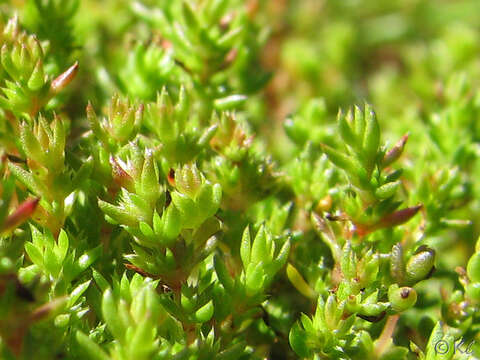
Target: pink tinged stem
[21, 214]
[120, 176]
[62, 80]
[396, 218]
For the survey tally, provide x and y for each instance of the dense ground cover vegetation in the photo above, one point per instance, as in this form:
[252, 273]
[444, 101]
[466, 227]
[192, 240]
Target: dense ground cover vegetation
[226, 179]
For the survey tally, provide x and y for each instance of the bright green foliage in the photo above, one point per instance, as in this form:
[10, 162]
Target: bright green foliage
[317, 333]
[151, 65]
[119, 126]
[46, 175]
[233, 180]
[176, 128]
[213, 43]
[374, 199]
[52, 21]
[261, 262]
[54, 260]
[26, 85]
[24, 77]
[245, 175]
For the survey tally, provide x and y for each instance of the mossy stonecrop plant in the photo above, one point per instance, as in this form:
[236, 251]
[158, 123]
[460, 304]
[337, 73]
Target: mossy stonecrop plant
[359, 284]
[164, 223]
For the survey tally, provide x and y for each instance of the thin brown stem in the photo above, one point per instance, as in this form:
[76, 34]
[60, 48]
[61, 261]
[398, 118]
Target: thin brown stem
[386, 336]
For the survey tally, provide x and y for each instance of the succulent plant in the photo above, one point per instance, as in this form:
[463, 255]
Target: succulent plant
[232, 180]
